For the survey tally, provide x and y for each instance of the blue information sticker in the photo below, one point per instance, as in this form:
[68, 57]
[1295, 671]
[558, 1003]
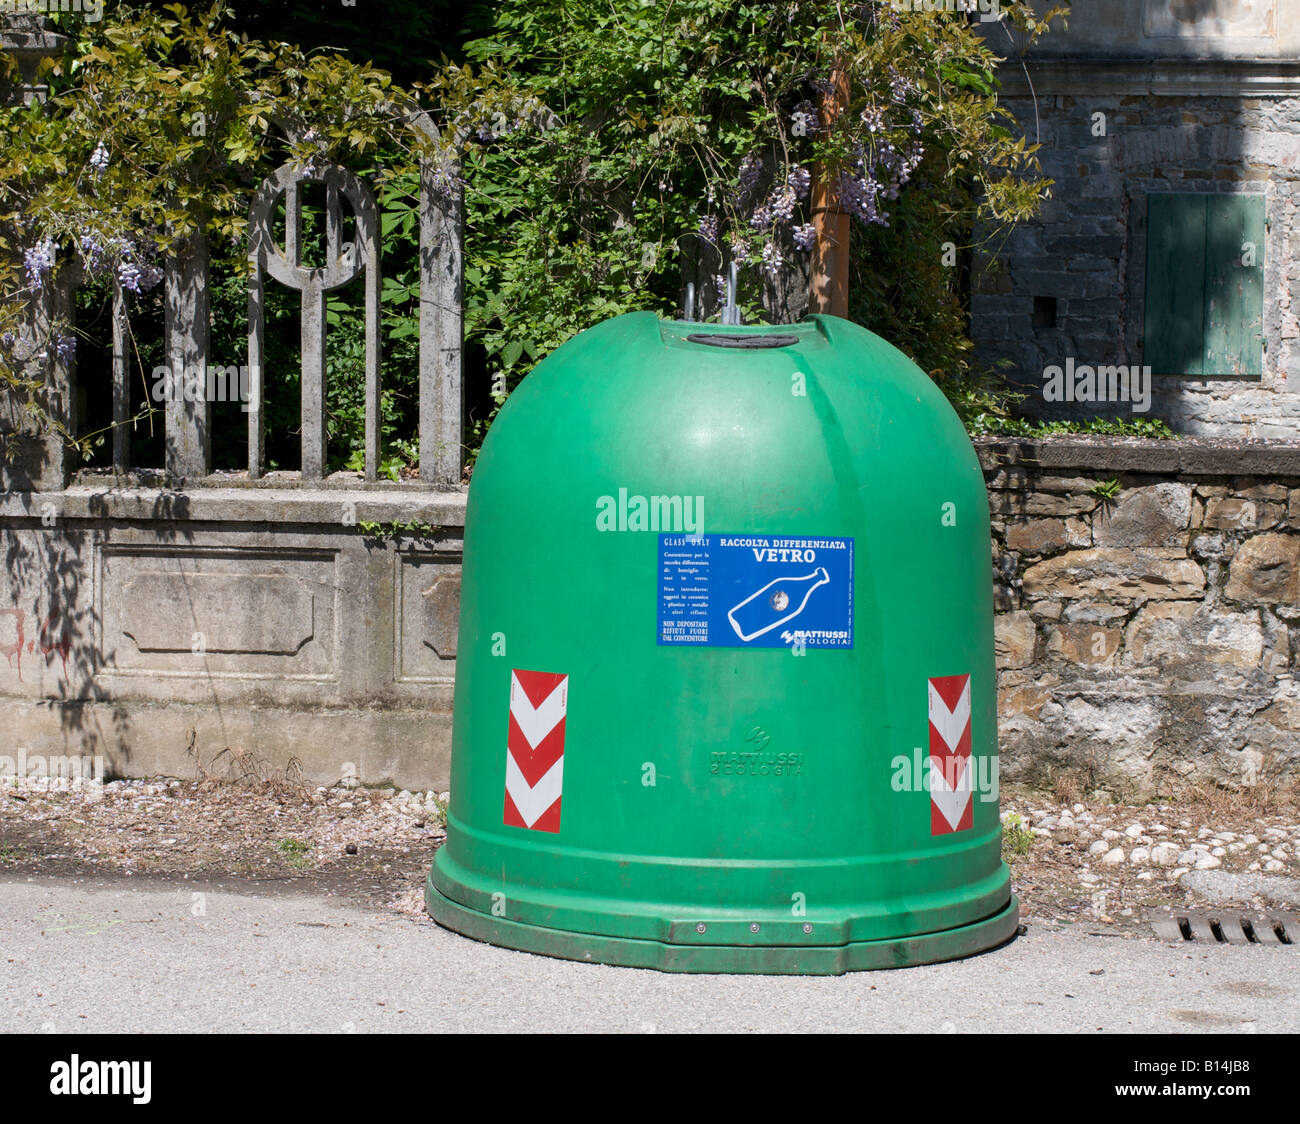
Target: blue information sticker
[755, 591]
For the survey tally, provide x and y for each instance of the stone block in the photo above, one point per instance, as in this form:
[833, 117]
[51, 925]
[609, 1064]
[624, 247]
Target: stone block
[1117, 575]
[1231, 513]
[1155, 516]
[1037, 503]
[1013, 639]
[1022, 700]
[1093, 612]
[1038, 536]
[1266, 570]
[1180, 633]
[1084, 643]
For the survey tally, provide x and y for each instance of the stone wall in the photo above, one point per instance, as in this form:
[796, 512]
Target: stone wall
[1142, 640]
[1150, 638]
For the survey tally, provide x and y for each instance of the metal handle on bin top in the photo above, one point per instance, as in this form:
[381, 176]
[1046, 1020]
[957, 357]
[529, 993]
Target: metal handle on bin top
[730, 312]
[730, 316]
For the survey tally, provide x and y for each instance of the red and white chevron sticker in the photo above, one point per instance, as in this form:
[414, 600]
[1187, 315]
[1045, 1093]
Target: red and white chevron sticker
[539, 701]
[951, 808]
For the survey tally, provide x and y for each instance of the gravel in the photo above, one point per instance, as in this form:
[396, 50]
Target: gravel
[258, 828]
[1112, 863]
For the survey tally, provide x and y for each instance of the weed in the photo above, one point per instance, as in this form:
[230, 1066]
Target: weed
[1067, 789]
[441, 806]
[1106, 489]
[1269, 796]
[414, 529]
[1016, 838]
[294, 852]
[246, 768]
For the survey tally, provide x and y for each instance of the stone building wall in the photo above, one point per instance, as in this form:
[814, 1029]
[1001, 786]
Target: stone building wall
[1152, 637]
[1087, 252]
[1139, 98]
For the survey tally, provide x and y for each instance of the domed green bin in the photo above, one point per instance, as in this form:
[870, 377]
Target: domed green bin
[725, 692]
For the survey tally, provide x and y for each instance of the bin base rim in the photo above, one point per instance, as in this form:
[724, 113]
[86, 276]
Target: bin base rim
[811, 960]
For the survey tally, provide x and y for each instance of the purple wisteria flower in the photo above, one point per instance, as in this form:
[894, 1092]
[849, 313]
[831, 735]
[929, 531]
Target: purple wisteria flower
[772, 259]
[859, 195]
[135, 273]
[900, 85]
[804, 236]
[99, 158]
[446, 180]
[783, 205]
[38, 261]
[94, 252]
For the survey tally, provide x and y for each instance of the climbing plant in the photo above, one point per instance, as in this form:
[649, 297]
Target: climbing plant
[607, 153]
[687, 137]
[161, 123]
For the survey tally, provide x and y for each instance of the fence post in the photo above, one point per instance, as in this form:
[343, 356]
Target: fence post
[441, 325]
[121, 383]
[188, 415]
[42, 461]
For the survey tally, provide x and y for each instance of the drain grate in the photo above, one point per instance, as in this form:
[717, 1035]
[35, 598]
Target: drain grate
[1227, 927]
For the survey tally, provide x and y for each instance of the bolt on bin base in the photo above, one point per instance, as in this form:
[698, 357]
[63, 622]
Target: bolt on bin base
[824, 960]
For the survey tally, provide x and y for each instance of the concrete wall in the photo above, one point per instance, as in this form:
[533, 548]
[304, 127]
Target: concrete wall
[245, 618]
[135, 622]
[1152, 638]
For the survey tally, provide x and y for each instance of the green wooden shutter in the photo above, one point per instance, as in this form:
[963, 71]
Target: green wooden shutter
[1175, 304]
[1234, 291]
[1204, 303]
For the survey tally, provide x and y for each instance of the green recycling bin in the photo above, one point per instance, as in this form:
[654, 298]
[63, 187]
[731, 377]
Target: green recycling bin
[725, 692]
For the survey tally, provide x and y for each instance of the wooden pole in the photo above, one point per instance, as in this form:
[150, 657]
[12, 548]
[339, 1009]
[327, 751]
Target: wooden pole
[828, 285]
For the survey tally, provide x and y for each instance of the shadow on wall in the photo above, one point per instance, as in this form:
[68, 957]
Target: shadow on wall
[51, 635]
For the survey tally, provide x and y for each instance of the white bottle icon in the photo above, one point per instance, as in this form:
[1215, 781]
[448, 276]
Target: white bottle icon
[781, 600]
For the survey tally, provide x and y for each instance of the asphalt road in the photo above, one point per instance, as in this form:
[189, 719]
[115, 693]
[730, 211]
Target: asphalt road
[81, 958]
